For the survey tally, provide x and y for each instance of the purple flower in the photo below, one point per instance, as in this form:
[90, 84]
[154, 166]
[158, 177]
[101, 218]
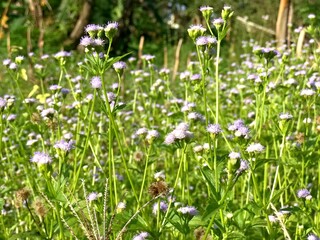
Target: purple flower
[62, 54]
[64, 145]
[313, 237]
[206, 8]
[304, 193]
[6, 62]
[96, 82]
[41, 158]
[218, 21]
[111, 29]
[214, 129]
[242, 131]
[86, 41]
[98, 42]
[92, 28]
[190, 210]
[119, 65]
[162, 206]
[142, 131]
[169, 139]
[141, 236]
[3, 103]
[244, 165]
[152, 134]
[92, 196]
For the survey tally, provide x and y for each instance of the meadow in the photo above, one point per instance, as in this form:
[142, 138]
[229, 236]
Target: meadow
[95, 146]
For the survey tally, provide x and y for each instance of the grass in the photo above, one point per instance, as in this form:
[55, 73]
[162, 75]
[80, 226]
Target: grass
[95, 148]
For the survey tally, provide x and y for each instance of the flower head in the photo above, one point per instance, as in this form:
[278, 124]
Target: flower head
[86, 41]
[196, 31]
[255, 148]
[304, 193]
[119, 66]
[92, 196]
[188, 210]
[162, 206]
[96, 82]
[214, 129]
[111, 29]
[3, 103]
[206, 12]
[64, 145]
[41, 158]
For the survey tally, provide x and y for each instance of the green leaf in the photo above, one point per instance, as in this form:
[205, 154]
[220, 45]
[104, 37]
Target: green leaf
[211, 209]
[208, 174]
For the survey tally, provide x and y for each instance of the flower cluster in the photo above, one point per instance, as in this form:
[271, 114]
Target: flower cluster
[188, 210]
[304, 193]
[181, 132]
[255, 148]
[97, 33]
[41, 158]
[64, 145]
[239, 129]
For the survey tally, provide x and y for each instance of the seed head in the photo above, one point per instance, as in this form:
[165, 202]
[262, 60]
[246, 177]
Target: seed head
[158, 188]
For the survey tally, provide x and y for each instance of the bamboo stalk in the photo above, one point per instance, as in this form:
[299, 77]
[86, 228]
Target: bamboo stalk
[254, 25]
[141, 42]
[177, 59]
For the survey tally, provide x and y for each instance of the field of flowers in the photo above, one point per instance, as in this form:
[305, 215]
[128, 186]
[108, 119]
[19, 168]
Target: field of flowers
[97, 147]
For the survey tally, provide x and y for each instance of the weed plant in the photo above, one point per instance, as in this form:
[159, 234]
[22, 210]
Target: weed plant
[99, 148]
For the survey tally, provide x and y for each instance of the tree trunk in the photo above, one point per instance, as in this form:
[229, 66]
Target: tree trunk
[82, 21]
[283, 20]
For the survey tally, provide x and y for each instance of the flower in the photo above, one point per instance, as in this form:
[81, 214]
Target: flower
[169, 139]
[96, 82]
[162, 206]
[151, 135]
[196, 31]
[92, 196]
[111, 29]
[285, 116]
[304, 193]
[218, 22]
[313, 237]
[255, 147]
[6, 62]
[41, 158]
[190, 210]
[86, 41]
[159, 176]
[141, 236]
[307, 92]
[142, 131]
[119, 66]
[214, 129]
[3, 103]
[62, 54]
[121, 206]
[242, 131]
[98, 42]
[234, 155]
[206, 12]
[244, 165]
[64, 145]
